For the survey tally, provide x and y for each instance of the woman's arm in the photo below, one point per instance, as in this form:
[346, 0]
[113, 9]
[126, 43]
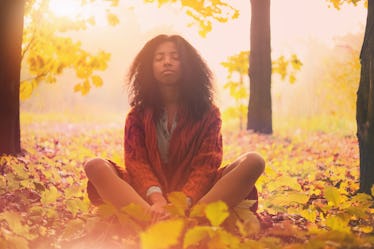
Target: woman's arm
[136, 157]
[206, 161]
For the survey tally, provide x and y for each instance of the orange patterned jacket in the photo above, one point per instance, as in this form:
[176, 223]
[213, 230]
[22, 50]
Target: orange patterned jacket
[195, 154]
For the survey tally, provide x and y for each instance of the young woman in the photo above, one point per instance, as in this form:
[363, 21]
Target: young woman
[173, 138]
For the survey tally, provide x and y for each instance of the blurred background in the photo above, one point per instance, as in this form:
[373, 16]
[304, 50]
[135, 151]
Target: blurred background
[327, 41]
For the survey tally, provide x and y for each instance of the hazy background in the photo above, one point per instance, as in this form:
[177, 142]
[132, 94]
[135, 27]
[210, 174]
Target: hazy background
[308, 28]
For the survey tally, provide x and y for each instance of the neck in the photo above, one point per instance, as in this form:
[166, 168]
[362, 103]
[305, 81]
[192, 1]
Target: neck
[170, 96]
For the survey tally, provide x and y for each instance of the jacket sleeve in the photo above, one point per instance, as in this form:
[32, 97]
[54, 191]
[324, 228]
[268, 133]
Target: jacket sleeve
[136, 158]
[207, 160]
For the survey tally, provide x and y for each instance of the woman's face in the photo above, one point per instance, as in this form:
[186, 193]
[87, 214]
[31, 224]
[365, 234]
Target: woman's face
[166, 64]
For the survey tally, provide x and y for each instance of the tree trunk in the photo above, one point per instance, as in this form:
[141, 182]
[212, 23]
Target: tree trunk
[365, 105]
[259, 116]
[11, 29]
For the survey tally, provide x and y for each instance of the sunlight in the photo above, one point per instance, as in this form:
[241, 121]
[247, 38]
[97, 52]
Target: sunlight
[73, 9]
[67, 8]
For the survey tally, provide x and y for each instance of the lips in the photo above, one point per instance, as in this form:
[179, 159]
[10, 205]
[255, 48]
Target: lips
[168, 71]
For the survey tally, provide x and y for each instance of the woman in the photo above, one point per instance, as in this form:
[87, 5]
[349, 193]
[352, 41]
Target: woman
[173, 138]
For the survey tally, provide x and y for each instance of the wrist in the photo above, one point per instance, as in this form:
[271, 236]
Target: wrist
[156, 197]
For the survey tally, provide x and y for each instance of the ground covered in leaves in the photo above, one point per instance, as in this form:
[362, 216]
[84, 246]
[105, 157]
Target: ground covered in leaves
[308, 196]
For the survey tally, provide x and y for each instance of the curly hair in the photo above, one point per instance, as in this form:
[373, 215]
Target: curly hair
[196, 85]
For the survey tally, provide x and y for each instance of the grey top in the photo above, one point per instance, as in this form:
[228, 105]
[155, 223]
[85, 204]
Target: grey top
[164, 135]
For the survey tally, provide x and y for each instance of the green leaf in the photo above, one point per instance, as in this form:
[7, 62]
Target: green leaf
[162, 235]
[216, 212]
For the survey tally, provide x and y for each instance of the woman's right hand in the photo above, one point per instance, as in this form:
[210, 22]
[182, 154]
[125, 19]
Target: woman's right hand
[157, 209]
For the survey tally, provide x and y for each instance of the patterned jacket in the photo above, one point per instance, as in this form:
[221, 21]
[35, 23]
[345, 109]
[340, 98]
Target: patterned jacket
[195, 154]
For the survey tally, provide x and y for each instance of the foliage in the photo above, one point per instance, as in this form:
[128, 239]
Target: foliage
[237, 83]
[48, 50]
[308, 196]
[333, 89]
[204, 13]
[237, 67]
[338, 3]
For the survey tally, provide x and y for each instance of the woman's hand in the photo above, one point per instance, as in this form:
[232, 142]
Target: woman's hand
[157, 209]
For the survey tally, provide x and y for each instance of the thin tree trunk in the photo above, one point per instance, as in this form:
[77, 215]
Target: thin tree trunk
[259, 116]
[11, 29]
[365, 105]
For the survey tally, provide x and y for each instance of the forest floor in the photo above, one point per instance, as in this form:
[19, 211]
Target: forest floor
[307, 196]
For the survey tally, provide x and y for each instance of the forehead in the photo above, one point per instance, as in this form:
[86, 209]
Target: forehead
[166, 47]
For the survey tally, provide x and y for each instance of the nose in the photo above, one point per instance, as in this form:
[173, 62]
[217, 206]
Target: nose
[167, 60]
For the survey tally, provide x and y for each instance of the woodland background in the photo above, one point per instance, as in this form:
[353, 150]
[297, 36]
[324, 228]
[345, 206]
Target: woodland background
[74, 101]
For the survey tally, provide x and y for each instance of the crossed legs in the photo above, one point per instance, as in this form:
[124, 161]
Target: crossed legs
[237, 181]
[110, 187]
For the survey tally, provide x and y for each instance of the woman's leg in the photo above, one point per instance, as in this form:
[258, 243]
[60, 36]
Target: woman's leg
[110, 186]
[237, 180]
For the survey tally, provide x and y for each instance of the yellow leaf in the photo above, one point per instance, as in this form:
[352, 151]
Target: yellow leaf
[178, 202]
[25, 90]
[286, 181]
[216, 212]
[14, 222]
[365, 229]
[136, 212]
[195, 235]
[97, 80]
[77, 87]
[85, 88]
[106, 210]
[198, 211]
[338, 224]
[162, 235]
[112, 19]
[333, 196]
[242, 210]
[227, 240]
[49, 196]
[372, 190]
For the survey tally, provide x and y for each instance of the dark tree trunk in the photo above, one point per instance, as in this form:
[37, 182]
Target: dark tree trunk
[365, 105]
[11, 29]
[259, 108]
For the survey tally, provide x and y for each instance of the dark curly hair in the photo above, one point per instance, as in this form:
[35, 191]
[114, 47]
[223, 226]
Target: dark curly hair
[196, 86]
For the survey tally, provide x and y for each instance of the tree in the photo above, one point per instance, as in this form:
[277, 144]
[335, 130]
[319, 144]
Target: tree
[259, 107]
[259, 117]
[237, 67]
[365, 105]
[11, 28]
[44, 53]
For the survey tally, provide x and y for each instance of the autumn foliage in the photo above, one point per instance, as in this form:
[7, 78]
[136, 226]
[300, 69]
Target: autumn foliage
[308, 195]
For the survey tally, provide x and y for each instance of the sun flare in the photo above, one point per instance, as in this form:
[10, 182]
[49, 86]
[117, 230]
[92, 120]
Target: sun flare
[73, 9]
[67, 8]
